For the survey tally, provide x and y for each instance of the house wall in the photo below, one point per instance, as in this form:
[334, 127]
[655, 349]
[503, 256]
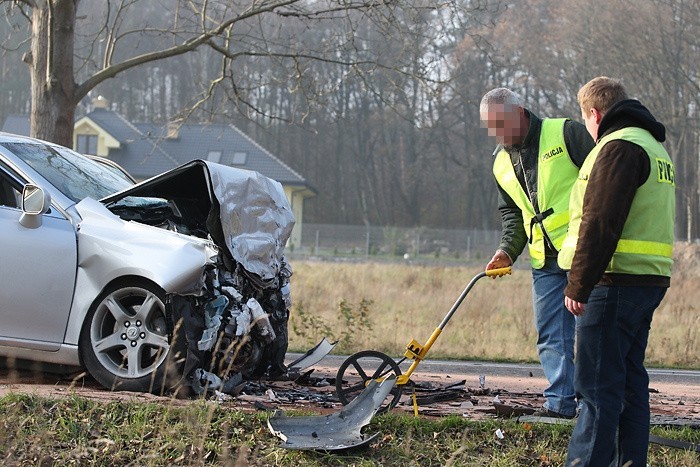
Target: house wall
[104, 140]
[296, 200]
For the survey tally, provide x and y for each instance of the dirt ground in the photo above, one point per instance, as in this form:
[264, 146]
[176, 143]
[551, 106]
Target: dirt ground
[436, 395]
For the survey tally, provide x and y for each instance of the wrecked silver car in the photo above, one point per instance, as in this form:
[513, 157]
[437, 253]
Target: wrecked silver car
[176, 284]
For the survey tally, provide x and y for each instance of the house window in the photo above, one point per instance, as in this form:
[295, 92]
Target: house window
[214, 156]
[239, 158]
[87, 144]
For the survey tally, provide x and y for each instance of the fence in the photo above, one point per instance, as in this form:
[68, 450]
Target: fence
[326, 240]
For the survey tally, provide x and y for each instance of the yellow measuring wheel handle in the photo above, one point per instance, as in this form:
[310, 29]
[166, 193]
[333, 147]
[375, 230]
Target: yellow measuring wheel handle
[499, 272]
[416, 351]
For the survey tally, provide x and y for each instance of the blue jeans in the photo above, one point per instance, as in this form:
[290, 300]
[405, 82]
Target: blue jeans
[556, 329]
[611, 382]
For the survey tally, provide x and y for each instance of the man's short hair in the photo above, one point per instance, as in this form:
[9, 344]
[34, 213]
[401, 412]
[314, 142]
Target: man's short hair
[601, 93]
[501, 96]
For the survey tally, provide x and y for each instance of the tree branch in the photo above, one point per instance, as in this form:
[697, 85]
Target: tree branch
[185, 47]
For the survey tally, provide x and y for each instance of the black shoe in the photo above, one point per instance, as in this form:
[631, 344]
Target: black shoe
[551, 414]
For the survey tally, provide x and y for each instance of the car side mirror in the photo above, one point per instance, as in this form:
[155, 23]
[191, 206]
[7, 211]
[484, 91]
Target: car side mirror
[35, 202]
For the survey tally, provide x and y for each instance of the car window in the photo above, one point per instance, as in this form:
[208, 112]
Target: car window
[74, 175]
[10, 195]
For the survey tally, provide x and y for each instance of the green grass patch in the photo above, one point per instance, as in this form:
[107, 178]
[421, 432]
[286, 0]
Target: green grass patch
[75, 431]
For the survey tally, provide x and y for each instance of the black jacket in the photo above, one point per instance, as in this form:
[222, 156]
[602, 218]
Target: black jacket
[621, 168]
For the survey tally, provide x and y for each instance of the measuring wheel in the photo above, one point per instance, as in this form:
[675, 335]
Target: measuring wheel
[358, 369]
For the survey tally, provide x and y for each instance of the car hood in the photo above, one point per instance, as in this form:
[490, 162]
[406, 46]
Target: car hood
[245, 213]
[110, 248]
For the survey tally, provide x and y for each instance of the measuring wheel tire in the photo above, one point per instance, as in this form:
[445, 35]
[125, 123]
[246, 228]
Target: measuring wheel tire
[367, 365]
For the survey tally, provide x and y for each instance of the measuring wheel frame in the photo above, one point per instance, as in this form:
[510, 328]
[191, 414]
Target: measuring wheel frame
[414, 351]
[370, 365]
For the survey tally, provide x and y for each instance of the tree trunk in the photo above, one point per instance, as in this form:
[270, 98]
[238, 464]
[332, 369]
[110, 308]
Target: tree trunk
[51, 70]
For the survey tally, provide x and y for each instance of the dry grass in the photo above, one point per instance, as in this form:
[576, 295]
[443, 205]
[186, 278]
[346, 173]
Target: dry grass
[495, 322]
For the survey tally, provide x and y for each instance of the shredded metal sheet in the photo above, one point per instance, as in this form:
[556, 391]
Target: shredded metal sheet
[336, 431]
[256, 217]
[313, 356]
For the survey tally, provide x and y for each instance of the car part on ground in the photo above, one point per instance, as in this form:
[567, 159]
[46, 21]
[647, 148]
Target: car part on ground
[336, 431]
[684, 445]
[312, 356]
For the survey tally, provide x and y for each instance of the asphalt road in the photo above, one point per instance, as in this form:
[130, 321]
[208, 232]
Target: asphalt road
[475, 368]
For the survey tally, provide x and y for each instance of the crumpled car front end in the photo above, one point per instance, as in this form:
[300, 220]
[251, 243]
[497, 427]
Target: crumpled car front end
[234, 320]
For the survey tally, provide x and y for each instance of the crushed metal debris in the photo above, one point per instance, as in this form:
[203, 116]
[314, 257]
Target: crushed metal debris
[336, 431]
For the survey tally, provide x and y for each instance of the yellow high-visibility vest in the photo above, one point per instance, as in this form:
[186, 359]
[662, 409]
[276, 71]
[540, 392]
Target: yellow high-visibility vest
[556, 174]
[646, 244]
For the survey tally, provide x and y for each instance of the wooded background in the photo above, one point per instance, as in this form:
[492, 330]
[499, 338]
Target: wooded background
[378, 107]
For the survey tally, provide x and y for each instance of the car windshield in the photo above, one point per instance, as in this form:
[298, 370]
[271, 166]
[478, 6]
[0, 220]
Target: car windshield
[112, 167]
[74, 175]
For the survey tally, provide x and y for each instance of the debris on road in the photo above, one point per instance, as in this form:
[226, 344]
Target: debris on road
[336, 431]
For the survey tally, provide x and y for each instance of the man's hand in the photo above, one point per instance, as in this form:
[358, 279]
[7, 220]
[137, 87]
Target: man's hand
[576, 308]
[499, 260]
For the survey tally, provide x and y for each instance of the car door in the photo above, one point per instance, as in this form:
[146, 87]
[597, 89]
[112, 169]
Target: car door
[37, 273]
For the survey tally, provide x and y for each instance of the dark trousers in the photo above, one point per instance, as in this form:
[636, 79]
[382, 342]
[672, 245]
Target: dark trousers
[611, 382]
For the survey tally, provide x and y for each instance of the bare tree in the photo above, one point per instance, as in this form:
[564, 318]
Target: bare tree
[111, 31]
[652, 45]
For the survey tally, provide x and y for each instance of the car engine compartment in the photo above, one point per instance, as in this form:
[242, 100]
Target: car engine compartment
[235, 328]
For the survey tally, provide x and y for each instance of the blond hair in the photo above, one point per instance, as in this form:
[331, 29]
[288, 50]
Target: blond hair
[601, 93]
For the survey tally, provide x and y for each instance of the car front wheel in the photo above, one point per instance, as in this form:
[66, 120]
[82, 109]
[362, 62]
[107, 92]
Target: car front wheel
[125, 342]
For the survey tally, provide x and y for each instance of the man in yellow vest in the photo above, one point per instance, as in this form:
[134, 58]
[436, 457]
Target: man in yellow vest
[619, 253]
[537, 162]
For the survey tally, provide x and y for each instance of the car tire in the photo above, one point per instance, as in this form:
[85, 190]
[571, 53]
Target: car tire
[128, 341]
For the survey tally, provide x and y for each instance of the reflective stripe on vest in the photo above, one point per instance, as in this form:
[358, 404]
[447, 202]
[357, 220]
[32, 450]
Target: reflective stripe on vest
[646, 244]
[556, 174]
